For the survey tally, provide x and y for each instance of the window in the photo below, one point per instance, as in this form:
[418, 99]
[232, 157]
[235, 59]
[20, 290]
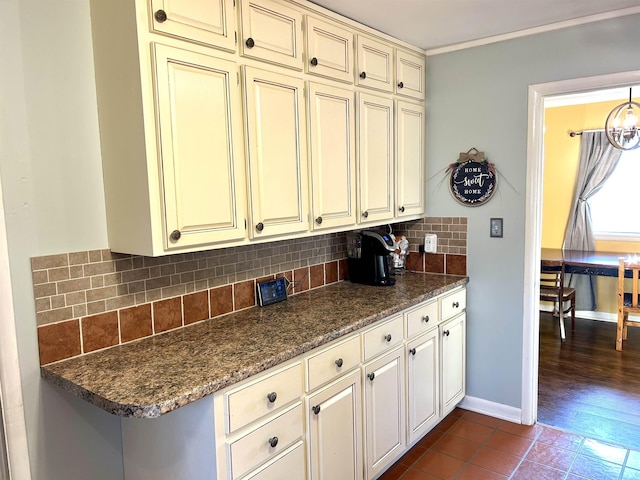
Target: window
[614, 209]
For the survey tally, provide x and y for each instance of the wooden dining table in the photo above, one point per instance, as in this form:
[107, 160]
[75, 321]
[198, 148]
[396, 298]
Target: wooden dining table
[587, 263]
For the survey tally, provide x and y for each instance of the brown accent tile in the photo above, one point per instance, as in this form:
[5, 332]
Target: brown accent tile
[316, 275]
[529, 471]
[456, 264]
[59, 341]
[434, 262]
[415, 262]
[49, 261]
[196, 307]
[244, 294]
[474, 472]
[457, 447]
[331, 272]
[471, 431]
[167, 314]
[53, 316]
[265, 279]
[100, 331]
[343, 269]
[221, 300]
[289, 276]
[509, 443]
[135, 322]
[496, 460]
[555, 457]
[301, 279]
[442, 466]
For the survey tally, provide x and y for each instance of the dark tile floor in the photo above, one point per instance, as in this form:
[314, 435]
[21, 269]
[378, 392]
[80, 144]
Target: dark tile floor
[471, 446]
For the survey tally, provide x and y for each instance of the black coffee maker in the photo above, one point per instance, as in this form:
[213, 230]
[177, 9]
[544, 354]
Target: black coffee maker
[369, 258]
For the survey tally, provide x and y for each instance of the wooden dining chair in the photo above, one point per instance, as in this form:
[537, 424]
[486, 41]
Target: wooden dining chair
[552, 289]
[627, 299]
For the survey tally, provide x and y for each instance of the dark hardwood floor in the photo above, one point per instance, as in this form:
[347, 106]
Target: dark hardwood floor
[585, 385]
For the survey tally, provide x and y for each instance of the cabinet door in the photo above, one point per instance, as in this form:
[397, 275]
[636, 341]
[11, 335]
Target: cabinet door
[333, 156]
[334, 430]
[453, 363]
[204, 196]
[289, 465]
[384, 429]
[271, 32]
[375, 64]
[410, 159]
[278, 179]
[210, 22]
[329, 50]
[410, 74]
[375, 158]
[422, 384]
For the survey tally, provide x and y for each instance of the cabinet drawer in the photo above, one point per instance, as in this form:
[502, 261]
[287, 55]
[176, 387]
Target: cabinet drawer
[253, 400]
[422, 318]
[256, 447]
[383, 337]
[336, 360]
[289, 465]
[452, 304]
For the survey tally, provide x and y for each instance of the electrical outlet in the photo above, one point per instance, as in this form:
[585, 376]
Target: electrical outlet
[430, 243]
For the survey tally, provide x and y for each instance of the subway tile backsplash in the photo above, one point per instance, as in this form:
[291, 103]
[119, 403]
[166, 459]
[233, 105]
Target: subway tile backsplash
[86, 301]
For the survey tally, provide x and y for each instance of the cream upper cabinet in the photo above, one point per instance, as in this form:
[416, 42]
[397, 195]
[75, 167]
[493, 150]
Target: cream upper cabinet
[334, 430]
[452, 362]
[271, 32]
[410, 158]
[375, 158]
[410, 74]
[329, 50]
[203, 179]
[374, 61]
[210, 22]
[277, 162]
[333, 156]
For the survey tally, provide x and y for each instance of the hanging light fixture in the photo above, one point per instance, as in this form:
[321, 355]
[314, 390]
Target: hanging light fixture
[622, 127]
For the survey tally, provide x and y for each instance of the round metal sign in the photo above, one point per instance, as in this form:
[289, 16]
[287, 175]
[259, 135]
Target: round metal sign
[473, 183]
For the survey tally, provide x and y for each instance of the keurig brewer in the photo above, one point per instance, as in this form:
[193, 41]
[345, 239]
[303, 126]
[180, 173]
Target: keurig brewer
[368, 258]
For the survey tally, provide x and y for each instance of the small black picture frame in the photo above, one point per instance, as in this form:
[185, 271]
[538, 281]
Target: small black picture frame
[495, 229]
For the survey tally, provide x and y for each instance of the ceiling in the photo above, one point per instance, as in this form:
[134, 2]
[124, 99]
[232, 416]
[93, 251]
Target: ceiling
[432, 24]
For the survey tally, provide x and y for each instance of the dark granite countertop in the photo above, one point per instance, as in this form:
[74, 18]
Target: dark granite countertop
[158, 374]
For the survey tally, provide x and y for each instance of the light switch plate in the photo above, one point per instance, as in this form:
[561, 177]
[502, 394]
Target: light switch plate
[496, 227]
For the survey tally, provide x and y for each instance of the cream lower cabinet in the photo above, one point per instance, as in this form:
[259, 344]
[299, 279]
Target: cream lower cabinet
[277, 163]
[453, 362]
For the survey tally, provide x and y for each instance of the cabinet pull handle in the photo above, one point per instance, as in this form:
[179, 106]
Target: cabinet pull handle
[339, 362]
[371, 376]
[272, 397]
[250, 43]
[314, 62]
[160, 16]
[319, 220]
[401, 85]
[401, 209]
[273, 441]
[456, 304]
[446, 333]
[412, 351]
[387, 337]
[425, 319]
[260, 226]
[316, 409]
[175, 235]
[365, 214]
[363, 75]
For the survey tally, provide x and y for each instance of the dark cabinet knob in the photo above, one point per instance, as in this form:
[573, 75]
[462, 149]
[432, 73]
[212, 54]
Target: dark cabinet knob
[363, 75]
[175, 235]
[371, 376]
[250, 43]
[401, 209]
[272, 397]
[456, 304]
[412, 351]
[319, 220]
[446, 333]
[316, 409]
[339, 362]
[425, 319]
[314, 62]
[160, 16]
[365, 214]
[260, 226]
[273, 441]
[387, 337]
[401, 85]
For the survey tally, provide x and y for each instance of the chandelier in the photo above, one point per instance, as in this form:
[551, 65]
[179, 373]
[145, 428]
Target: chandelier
[622, 127]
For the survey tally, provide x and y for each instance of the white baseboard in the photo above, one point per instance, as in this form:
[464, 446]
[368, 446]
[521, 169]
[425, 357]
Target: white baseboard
[493, 409]
[587, 314]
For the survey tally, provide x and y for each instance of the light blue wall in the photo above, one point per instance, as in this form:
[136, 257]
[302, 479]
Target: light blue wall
[478, 98]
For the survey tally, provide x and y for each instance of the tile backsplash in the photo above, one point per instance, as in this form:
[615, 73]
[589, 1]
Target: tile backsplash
[86, 301]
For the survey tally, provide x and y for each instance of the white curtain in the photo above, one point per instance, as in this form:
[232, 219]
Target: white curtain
[598, 159]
